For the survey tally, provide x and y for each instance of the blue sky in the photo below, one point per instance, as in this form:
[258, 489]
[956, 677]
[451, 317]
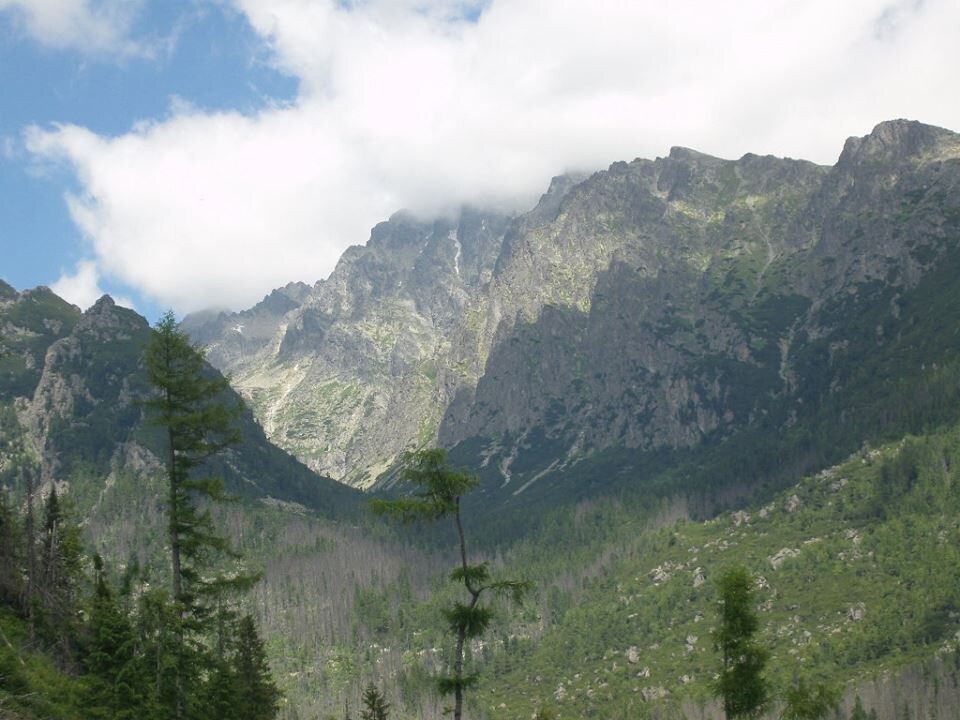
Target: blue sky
[199, 153]
[207, 56]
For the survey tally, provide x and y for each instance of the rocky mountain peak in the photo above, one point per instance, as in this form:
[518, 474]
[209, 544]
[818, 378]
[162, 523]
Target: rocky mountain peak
[7, 292]
[548, 207]
[635, 308]
[105, 318]
[900, 141]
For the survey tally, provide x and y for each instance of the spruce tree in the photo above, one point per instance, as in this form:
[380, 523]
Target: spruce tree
[441, 490]
[806, 701]
[116, 680]
[189, 406]
[257, 695]
[60, 571]
[11, 555]
[741, 684]
[375, 705]
[158, 627]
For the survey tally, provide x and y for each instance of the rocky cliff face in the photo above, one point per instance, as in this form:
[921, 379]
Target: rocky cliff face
[70, 385]
[349, 373]
[658, 303]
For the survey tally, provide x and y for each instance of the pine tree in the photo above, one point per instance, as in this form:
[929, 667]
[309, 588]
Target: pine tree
[189, 406]
[442, 488]
[158, 627]
[257, 695]
[116, 681]
[375, 705]
[804, 701]
[60, 572]
[219, 697]
[741, 684]
[11, 555]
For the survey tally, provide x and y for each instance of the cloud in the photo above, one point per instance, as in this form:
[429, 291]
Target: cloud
[82, 287]
[99, 26]
[426, 105]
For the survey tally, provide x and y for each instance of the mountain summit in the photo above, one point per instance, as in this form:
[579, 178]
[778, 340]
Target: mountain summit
[659, 304]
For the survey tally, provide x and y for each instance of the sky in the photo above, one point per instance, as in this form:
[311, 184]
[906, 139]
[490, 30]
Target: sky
[190, 154]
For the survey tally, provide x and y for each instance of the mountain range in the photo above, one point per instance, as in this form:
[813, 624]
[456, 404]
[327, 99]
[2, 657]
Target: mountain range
[663, 340]
[657, 304]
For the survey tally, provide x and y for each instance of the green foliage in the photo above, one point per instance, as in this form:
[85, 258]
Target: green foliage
[439, 488]
[117, 681]
[189, 405]
[11, 554]
[453, 684]
[471, 574]
[256, 695]
[60, 576]
[472, 620]
[805, 701]
[740, 684]
[860, 714]
[32, 687]
[440, 491]
[375, 705]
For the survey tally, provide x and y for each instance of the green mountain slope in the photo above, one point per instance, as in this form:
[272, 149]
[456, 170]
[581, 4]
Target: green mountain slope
[858, 577]
[69, 408]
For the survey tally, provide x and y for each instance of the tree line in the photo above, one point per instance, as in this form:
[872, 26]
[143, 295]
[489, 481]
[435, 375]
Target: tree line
[181, 649]
[178, 649]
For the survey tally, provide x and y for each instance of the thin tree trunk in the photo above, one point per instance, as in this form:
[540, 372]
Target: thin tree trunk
[176, 570]
[174, 533]
[31, 558]
[462, 630]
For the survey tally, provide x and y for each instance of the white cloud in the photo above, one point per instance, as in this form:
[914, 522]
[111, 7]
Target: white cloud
[405, 104]
[82, 287]
[87, 25]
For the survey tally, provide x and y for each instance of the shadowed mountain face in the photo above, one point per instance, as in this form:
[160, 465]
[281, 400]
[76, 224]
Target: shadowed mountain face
[70, 386]
[658, 305]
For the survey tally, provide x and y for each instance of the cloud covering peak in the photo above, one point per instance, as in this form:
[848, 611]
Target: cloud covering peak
[427, 105]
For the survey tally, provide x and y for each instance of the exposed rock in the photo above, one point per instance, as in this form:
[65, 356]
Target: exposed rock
[781, 556]
[856, 612]
[698, 577]
[655, 692]
[635, 308]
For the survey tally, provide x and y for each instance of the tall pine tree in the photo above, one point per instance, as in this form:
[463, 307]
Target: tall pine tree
[189, 405]
[61, 570]
[257, 697]
[741, 684]
[11, 555]
[441, 488]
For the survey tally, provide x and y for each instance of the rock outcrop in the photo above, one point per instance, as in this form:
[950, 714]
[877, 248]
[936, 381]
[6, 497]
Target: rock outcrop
[657, 304]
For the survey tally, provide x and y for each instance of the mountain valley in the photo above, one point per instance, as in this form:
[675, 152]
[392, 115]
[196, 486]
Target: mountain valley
[663, 369]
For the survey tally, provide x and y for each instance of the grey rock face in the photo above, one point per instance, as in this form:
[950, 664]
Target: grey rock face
[361, 366]
[73, 414]
[654, 304]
